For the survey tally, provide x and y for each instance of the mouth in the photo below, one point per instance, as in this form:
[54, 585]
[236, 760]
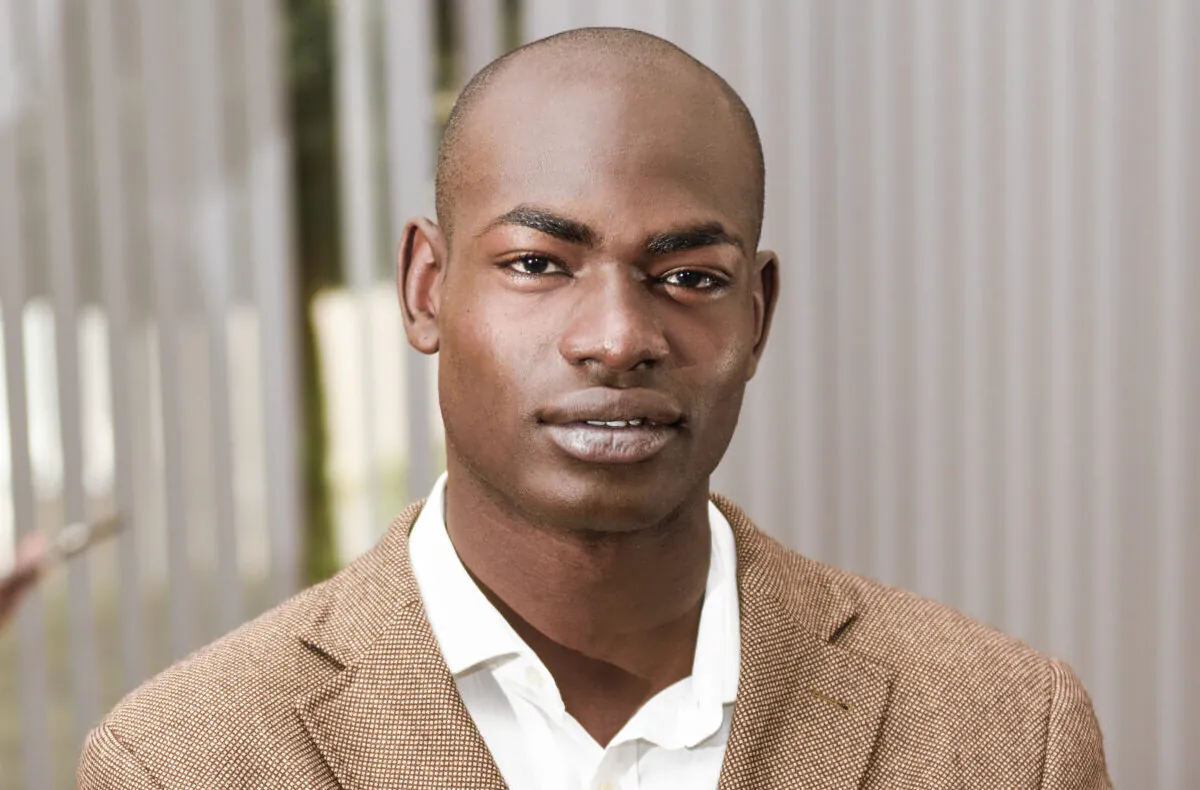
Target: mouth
[632, 422]
[612, 441]
[606, 426]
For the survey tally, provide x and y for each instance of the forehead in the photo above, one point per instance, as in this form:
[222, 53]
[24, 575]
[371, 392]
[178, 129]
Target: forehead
[608, 147]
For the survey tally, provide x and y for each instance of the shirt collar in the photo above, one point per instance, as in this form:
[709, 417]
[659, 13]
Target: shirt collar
[471, 632]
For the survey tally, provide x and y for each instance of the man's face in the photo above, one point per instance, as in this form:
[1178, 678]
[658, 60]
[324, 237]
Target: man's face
[602, 307]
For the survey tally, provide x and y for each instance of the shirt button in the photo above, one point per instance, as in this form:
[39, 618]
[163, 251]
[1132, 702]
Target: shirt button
[534, 679]
[605, 786]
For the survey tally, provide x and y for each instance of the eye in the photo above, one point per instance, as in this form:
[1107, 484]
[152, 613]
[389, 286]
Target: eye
[534, 266]
[693, 280]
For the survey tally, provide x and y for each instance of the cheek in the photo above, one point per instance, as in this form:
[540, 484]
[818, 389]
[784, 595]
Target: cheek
[717, 354]
[490, 355]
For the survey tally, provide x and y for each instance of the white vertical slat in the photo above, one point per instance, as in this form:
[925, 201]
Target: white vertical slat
[654, 17]
[410, 118]
[705, 31]
[274, 280]
[213, 252]
[1104, 384]
[1173, 342]
[1065, 535]
[543, 18]
[360, 233]
[930, 526]
[481, 26]
[758, 399]
[164, 189]
[62, 254]
[1017, 340]
[797, 295]
[852, 371]
[839, 149]
[882, 315]
[31, 638]
[610, 13]
[904, 306]
[113, 253]
[974, 559]
[775, 472]
[823, 283]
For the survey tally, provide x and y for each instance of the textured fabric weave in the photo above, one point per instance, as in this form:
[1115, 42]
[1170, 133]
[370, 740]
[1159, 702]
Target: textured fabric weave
[844, 683]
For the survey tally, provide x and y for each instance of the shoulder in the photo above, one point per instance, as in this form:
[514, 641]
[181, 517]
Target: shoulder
[927, 645]
[989, 702]
[229, 702]
[231, 706]
[243, 683]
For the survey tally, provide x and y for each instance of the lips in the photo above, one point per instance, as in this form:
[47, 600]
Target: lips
[609, 426]
[605, 405]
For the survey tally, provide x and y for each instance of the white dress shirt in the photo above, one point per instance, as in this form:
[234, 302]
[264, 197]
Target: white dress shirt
[677, 739]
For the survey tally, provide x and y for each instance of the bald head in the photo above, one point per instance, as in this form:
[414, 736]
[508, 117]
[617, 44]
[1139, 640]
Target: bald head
[647, 85]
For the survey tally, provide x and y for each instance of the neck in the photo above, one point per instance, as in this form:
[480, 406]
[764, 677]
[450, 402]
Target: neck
[627, 599]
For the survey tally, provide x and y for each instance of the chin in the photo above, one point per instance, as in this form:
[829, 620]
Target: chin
[607, 499]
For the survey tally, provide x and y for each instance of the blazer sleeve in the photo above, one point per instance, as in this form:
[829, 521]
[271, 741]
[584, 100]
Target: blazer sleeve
[107, 765]
[1074, 747]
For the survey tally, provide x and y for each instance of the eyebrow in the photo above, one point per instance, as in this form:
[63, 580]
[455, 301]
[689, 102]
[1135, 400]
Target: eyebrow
[690, 237]
[547, 222]
[706, 234]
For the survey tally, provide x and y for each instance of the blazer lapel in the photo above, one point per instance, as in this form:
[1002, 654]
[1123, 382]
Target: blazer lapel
[392, 716]
[808, 712]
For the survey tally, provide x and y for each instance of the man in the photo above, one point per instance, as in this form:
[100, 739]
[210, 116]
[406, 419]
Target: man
[569, 608]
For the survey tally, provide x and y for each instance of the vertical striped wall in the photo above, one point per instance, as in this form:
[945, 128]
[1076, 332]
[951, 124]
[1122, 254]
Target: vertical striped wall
[146, 313]
[983, 383]
[984, 379]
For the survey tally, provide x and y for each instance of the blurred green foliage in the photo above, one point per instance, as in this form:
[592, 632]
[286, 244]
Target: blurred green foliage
[318, 228]
[312, 65]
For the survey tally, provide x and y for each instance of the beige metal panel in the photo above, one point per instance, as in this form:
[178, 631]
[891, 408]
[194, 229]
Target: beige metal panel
[1103, 387]
[408, 33]
[359, 207]
[931, 290]
[60, 159]
[1061, 441]
[541, 18]
[212, 245]
[1178, 340]
[798, 297]
[165, 187]
[847, 533]
[271, 245]
[879, 559]
[481, 31]
[36, 768]
[111, 201]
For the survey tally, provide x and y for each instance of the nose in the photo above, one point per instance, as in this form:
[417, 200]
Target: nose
[613, 325]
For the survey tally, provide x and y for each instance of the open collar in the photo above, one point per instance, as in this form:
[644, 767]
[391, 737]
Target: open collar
[474, 636]
[807, 713]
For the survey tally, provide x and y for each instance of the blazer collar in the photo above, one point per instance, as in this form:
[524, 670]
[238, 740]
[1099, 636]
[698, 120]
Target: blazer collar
[807, 712]
[392, 716]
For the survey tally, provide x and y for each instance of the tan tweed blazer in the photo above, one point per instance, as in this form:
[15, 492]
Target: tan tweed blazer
[844, 684]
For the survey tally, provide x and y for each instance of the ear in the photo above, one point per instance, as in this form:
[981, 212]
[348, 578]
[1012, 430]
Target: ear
[420, 267]
[765, 296]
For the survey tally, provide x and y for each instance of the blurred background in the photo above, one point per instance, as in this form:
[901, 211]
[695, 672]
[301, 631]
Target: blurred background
[983, 383]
